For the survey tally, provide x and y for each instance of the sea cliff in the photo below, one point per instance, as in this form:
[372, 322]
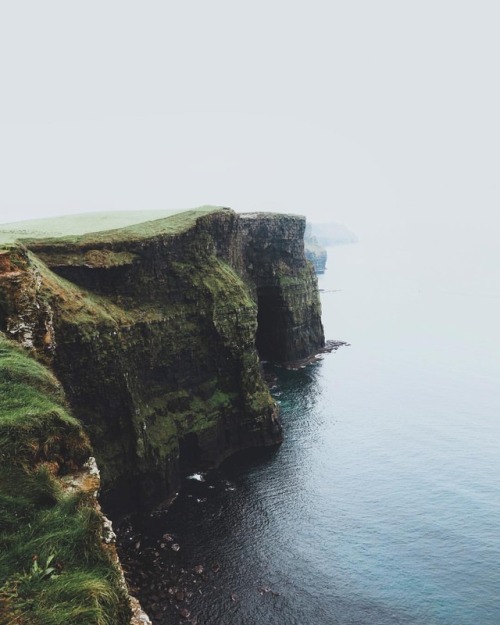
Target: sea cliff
[314, 252]
[155, 332]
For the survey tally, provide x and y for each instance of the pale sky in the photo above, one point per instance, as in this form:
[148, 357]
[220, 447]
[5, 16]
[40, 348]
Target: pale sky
[382, 115]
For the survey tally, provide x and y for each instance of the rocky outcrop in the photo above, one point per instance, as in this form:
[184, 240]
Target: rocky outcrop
[153, 331]
[285, 286]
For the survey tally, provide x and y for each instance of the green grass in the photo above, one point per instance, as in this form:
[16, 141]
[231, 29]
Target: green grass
[54, 569]
[121, 225]
[35, 425]
[81, 585]
[75, 598]
[15, 367]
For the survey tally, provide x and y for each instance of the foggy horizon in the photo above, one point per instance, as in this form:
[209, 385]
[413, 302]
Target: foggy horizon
[274, 440]
[381, 117]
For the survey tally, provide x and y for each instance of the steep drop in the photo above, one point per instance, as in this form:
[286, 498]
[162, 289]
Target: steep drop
[153, 331]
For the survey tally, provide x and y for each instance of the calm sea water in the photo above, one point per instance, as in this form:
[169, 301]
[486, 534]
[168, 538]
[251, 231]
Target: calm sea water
[382, 506]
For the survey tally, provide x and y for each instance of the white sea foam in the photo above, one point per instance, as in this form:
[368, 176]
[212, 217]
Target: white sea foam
[199, 477]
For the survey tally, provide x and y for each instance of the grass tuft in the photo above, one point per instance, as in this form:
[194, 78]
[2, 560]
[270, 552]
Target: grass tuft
[35, 425]
[54, 568]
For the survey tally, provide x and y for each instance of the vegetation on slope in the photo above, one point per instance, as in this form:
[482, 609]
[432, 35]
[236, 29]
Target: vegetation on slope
[54, 568]
[73, 228]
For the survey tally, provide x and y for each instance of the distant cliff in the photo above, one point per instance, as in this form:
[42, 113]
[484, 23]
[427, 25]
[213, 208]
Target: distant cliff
[314, 252]
[155, 332]
[332, 233]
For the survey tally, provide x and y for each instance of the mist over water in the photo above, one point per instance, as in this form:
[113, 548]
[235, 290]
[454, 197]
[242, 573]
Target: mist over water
[418, 390]
[382, 505]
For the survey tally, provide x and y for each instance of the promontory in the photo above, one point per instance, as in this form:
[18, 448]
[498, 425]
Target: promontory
[144, 343]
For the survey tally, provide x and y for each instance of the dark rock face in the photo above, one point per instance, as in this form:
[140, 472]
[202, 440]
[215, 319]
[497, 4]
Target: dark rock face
[154, 339]
[289, 311]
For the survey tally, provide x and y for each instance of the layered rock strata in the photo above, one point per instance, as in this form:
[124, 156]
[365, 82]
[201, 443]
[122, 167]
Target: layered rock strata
[285, 286]
[153, 329]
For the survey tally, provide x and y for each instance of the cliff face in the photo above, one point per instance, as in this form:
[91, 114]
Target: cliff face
[153, 329]
[286, 289]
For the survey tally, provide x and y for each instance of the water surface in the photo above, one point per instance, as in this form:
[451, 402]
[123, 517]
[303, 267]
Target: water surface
[382, 506]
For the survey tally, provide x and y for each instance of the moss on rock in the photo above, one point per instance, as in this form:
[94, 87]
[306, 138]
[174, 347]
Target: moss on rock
[153, 332]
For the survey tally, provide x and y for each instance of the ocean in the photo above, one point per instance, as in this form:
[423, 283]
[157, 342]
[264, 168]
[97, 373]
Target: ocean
[382, 506]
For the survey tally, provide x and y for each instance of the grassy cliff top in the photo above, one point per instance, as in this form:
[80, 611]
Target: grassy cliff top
[270, 214]
[109, 226]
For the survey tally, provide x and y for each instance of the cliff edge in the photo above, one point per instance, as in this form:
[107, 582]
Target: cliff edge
[58, 563]
[155, 331]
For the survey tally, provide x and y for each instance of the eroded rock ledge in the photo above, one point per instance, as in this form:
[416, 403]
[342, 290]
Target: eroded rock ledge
[153, 331]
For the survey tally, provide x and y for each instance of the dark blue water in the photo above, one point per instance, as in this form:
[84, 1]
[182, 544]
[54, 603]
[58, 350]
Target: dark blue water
[382, 506]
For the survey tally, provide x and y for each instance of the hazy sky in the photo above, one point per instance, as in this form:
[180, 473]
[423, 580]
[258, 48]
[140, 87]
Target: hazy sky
[383, 115]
